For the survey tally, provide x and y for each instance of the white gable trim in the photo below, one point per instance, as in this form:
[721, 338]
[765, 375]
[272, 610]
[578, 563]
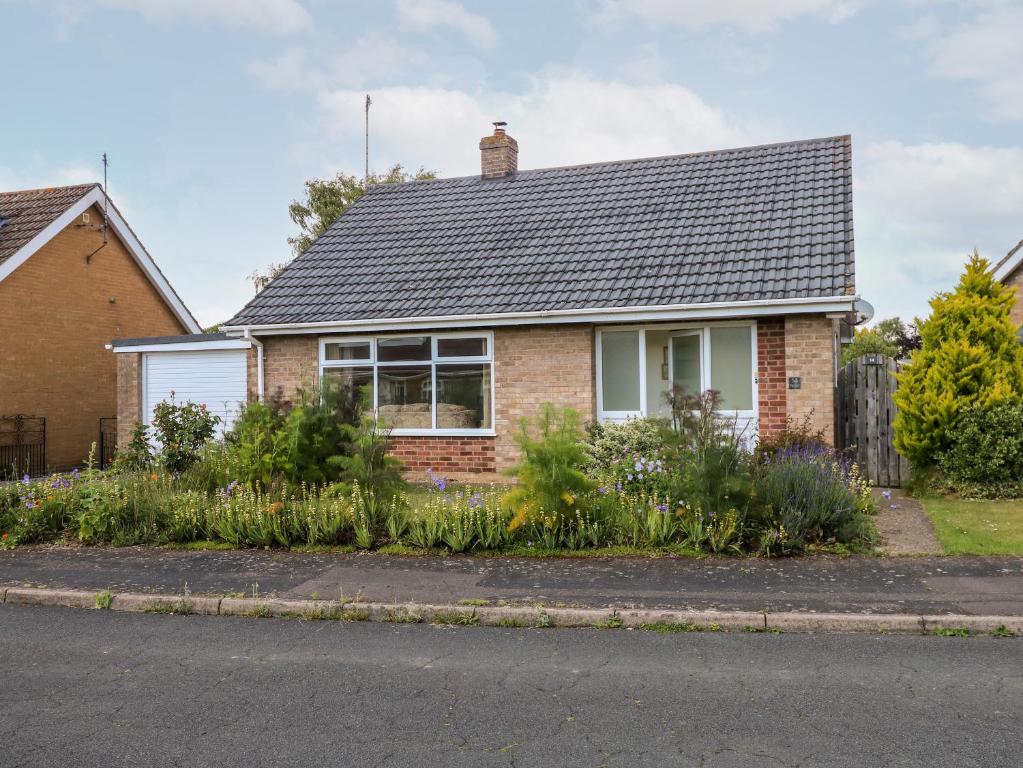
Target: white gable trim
[1010, 263]
[123, 231]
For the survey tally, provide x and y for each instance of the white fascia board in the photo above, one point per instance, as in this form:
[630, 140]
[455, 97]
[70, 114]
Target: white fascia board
[708, 311]
[123, 231]
[186, 346]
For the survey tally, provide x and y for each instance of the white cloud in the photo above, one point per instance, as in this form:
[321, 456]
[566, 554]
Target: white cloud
[278, 17]
[920, 209]
[430, 14]
[561, 119]
[750, 15]
[368, 60]
[987, 50]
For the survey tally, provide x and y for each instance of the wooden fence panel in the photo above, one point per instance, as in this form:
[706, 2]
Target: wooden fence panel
[866, 403]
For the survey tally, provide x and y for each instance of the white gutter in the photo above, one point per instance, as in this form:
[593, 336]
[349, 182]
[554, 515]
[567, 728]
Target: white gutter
[259, 363]
[711, 310]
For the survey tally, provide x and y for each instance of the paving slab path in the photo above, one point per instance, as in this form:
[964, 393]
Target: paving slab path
[919, 585]
[904, 526]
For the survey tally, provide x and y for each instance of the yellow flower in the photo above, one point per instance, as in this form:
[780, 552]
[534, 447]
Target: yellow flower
[568, 498]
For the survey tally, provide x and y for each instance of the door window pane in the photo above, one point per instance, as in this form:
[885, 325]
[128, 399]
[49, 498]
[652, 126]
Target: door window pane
[347, 350]
[686, 364]
[404, 398]
[473, 346]
[463, 396]
[731, 367]
[405, 348]
[358, 379]
[619, 370]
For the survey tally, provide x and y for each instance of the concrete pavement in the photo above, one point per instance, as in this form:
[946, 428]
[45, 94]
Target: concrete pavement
[908, 585]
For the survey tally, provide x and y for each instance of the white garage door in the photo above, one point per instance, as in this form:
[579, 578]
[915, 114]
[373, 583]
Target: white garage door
[216, 378]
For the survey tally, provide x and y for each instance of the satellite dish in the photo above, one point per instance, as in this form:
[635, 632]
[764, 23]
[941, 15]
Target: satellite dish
[864, 311]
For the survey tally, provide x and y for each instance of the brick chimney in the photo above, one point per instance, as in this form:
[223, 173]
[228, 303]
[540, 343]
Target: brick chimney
[499, 154]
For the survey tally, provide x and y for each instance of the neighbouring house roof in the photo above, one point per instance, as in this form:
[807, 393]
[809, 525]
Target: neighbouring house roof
[766, 223]
[185, 341]
[1010, 262]
[31, 218]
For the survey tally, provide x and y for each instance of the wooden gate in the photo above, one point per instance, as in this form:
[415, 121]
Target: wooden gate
[866, 413]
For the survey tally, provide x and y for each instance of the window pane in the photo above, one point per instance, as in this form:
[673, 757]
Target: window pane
[463, 396]
[357, 377]
[619, 370]
[347, 350]
[475, 346]
[404, 399]
[406, 348]
[731, 367]
[686, 365]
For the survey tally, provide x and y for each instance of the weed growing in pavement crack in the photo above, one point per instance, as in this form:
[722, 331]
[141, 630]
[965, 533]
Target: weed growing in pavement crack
[455, 618]
[261, 611]
[671, 627]
[403, 616]
[1002, 631]
[543, 619]
[354, 614]
[511, 622]
[166, 607]
[614, 621]
[952, 632]
[103, 600]
[474, 601]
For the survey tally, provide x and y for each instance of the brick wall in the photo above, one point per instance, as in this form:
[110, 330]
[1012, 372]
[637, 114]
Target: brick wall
[447, 456]
[58, 310]
[288, 363]
[534, 365]
[810, 350]
[129, 395]
[771, 386]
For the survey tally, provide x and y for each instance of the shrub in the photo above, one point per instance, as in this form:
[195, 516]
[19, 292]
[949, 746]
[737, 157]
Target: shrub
[551, 481]
[712, 463]
[138, 453]
[985, 451]
[970, 355]
[182, 430]
[808, 495]
[795, 435]
[627, 457]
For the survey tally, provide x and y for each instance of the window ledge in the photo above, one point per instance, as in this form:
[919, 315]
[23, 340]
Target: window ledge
[406, 432]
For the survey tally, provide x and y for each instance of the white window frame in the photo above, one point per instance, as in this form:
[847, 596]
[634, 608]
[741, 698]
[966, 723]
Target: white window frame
[705, 365]
[432, 363]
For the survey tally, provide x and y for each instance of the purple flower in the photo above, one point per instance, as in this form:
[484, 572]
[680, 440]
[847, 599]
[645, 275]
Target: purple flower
[619, 486]
[26, 479]
[639, 465]
[439, 482]
[662, 508]
[601, 490]
[476, 501]
[886, 494]
[629, 477]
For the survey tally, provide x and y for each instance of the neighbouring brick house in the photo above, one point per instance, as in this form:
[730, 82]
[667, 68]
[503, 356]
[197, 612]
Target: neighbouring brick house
[464, 304]
[1010, 271]
[68, 284]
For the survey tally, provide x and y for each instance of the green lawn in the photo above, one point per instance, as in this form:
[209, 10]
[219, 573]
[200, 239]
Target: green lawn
[967, 527]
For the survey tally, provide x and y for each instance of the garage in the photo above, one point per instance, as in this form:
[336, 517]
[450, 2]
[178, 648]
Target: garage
[209, 369]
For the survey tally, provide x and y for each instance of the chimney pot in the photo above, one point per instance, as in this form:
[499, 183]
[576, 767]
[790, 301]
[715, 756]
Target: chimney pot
[499, 154]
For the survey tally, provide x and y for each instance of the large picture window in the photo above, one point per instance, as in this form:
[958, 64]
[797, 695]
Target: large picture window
[638, 365]
[418, 384]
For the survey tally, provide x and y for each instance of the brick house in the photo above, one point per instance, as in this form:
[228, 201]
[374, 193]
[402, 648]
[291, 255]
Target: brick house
[463, 304]
[1010, 272]
[71, 278]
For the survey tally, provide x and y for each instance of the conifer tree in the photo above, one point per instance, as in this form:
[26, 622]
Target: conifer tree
[970, 354]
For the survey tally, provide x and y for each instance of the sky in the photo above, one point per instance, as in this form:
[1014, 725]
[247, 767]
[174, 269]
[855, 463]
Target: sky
[215, 112]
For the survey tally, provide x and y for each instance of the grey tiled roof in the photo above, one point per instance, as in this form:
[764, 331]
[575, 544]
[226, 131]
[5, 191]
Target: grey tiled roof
[756, 223]
[25, 214]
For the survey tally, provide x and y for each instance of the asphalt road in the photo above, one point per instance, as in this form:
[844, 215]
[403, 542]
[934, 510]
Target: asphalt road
[91, 688]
